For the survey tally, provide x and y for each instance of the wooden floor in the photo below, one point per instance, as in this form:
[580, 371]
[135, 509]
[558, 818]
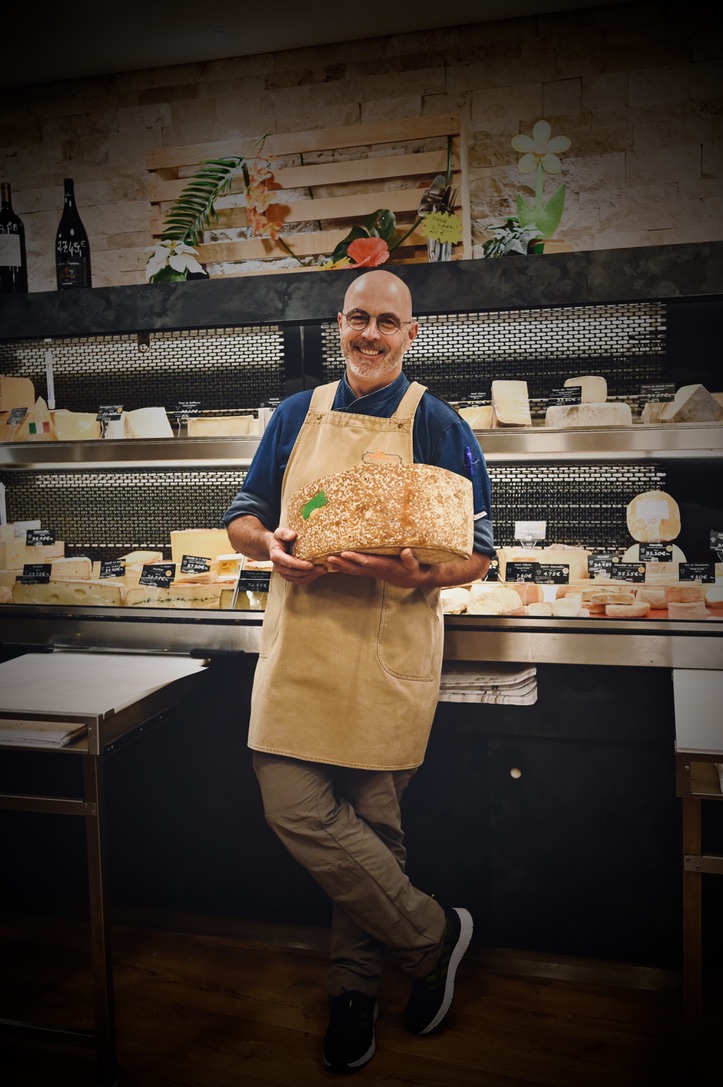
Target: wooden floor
[234, 1011]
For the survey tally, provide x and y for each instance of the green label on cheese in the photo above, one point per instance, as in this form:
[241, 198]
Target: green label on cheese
[314, 503]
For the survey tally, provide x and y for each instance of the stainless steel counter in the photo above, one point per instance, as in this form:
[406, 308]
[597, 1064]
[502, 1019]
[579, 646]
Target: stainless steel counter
[633, 643]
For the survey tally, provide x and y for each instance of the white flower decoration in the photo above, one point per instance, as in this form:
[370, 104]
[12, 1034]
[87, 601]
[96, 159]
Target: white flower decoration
[540, 148]
[173, 254]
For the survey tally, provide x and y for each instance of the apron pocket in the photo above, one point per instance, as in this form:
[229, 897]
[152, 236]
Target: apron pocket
[410, 640]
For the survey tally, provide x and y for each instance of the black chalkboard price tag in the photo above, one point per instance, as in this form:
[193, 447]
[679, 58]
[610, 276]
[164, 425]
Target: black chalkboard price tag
[656, 552]
[35, 573]
[195, 564]
[521, 571]
[658, 392]
[160, 574]
[566, 394]
[628, 571]
[254, 581]
[716, 539]
[106, 412]
[601, 562]
[35, 537]
[553, 573]
[696, 571]
[112, 568]
[16, 416]
[186, 408]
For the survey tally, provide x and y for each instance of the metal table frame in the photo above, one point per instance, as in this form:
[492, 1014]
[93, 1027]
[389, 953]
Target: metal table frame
[105, 734]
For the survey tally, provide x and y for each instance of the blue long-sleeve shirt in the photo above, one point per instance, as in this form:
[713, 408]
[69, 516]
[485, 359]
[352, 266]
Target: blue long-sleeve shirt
[440, 437]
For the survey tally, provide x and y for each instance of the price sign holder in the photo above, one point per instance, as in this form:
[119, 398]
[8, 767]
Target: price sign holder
[106, 414]
[35, 573]
[112, 568]
[566, 394]
[530, 532]
[696, 571]
[628, 571]
[160, 574]
[195, 564]
[656, 552]
[39, 537]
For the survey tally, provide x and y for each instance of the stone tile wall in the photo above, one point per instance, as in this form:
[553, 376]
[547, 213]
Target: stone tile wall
[637, 87]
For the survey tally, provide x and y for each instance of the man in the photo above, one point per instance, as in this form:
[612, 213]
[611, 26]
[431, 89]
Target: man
[347, 680]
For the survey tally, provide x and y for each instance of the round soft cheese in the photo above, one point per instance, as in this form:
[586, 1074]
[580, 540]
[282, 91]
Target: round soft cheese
[382, 508]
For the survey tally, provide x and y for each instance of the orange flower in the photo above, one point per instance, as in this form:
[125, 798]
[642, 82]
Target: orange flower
[368, 252]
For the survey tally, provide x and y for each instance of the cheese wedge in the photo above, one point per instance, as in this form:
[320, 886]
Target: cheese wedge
[92, 593]
[75, 568]
[688, 592]
[16, 392]
[694, 609]
[37, 426]
[206, 596]
[692, 404]
[491, 598]
[222, 426]
[76, 426]
[478, 417]
[510, 404]
[541, 610]
[562, 416]
[206, 543]
[16, 553]
[454, 600]
[148, 423]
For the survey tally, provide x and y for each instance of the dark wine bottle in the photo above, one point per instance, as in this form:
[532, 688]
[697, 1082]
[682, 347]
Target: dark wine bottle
[13, 262]
[72, 251]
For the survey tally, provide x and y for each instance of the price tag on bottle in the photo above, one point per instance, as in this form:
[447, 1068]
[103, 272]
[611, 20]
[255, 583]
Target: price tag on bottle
[566, 394]
[521, 571]
[195, 564]
[656, 552]
[553, 573]
[160, 574]
[628, 571]
[696, 571]
[36, 537]
[35, 573]
[112, 568]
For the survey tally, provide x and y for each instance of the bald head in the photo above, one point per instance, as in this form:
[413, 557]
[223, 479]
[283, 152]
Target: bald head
[392, 293]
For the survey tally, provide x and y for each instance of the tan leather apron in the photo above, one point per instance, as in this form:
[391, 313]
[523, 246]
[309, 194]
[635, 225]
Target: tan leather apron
[348, 669]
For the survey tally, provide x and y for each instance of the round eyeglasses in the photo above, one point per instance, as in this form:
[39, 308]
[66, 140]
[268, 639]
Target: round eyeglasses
[387, 323]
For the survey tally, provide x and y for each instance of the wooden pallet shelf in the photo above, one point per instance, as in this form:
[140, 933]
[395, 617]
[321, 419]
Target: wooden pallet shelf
[328, 179]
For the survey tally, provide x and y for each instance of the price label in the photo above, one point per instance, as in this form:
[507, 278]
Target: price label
[254, 581]
[158, 573]
[35, 537]
[15, 416]
[478, 396]
[112, 568]
[106, 412]
[195, 564]
[530, 530]
[521, 571]
[185, 408]
[658, 392]
[553, 573]
[696, 571]
[628, 571]
[35, 573]
[601, 562]
[716, 539]
[656, 552]
[567, 394]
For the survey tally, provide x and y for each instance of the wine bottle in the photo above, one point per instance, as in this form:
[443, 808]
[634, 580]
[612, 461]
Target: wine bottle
[72, 251]
[13, 262]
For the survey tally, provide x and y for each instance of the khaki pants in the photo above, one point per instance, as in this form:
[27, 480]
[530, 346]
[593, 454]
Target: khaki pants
[344, 827]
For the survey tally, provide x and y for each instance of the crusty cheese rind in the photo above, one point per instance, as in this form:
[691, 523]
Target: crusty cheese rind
[383, 508]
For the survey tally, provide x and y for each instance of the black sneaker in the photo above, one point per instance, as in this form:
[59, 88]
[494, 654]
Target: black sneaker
[349, 1041]
[430, 998]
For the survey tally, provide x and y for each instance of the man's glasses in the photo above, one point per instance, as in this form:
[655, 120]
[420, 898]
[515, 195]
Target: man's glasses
[387, 323]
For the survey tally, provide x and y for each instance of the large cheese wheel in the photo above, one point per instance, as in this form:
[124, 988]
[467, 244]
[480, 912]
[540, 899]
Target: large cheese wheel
[653, 517]
[383, 508]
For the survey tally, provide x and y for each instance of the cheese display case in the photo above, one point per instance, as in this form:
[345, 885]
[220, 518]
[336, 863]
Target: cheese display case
[131, 414]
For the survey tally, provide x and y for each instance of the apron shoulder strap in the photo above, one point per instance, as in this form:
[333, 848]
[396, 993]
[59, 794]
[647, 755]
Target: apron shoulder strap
[409, 402]
[323, 397]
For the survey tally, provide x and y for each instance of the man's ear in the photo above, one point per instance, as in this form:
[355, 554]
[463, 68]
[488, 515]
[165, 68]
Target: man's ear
[339, 319]
[411, 334]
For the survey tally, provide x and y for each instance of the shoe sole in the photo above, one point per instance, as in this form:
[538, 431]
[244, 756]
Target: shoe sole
[350, 1066]
[465, 935]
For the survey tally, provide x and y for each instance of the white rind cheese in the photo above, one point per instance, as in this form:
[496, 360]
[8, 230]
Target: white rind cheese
[510, 404]
[563, 416]
[222, 426]
[653, 517]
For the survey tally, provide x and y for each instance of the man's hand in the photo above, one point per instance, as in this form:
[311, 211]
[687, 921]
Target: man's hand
[295, 571]
[402, 570]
